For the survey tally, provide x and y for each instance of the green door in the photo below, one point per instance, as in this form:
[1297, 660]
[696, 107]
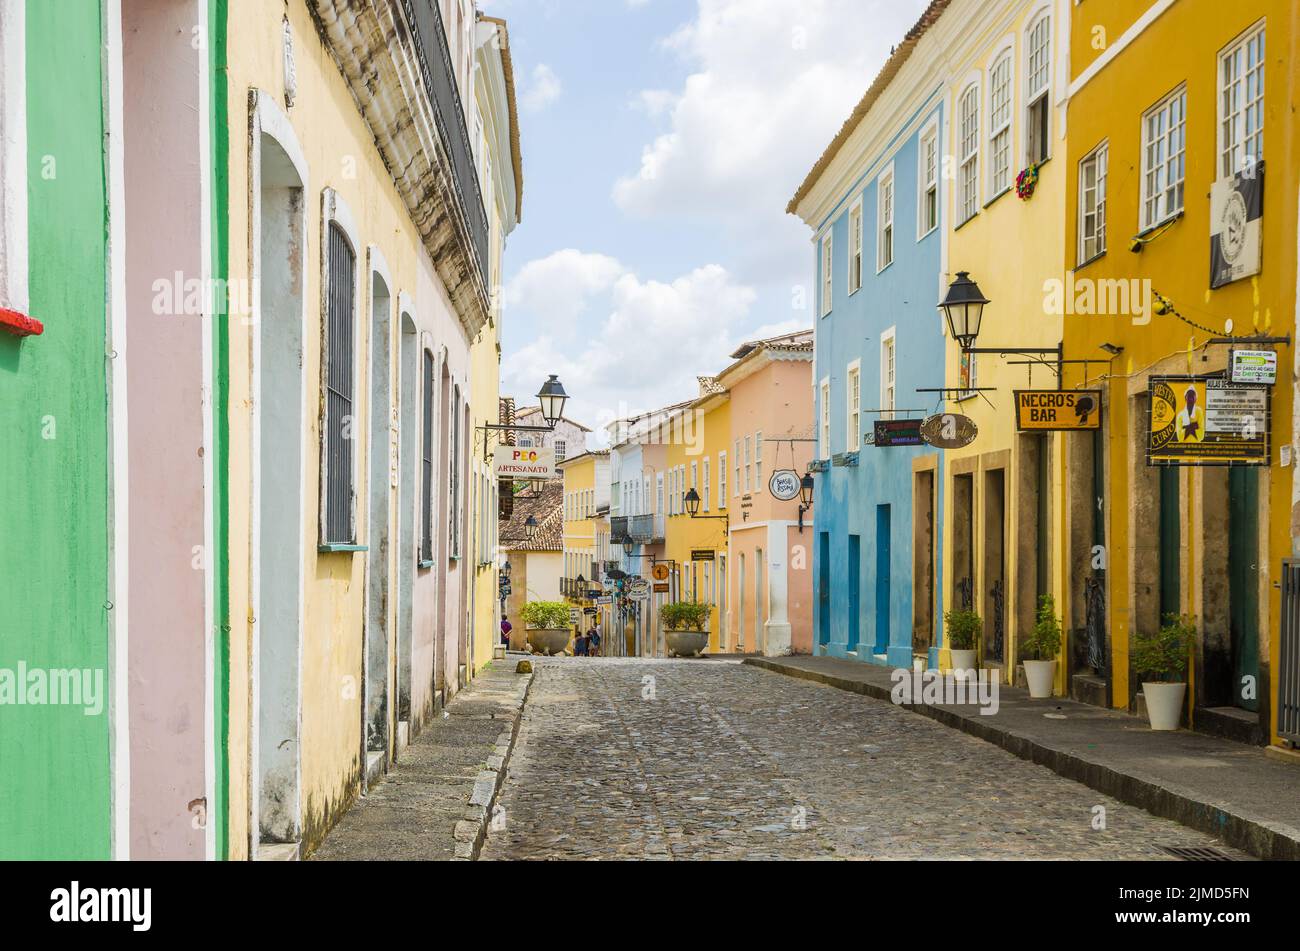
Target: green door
[1243, 582]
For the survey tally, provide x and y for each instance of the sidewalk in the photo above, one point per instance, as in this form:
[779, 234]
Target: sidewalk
[436, 802]
[1235, 792]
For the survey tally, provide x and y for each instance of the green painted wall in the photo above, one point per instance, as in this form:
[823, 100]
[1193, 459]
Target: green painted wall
[55, 776]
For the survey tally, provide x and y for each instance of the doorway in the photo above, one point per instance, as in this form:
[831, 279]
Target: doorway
[923, 561]
[855, 593]
[409, 510]
[884, 556]
[994, 607]
[377, 676]
[1243, 584]
[823, 588]
[760, 603]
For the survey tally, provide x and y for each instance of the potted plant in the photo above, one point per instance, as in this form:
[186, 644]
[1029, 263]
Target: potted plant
[1160, 661]
[548, 626]
[963, 627]
[685, 627]
[1041, 647]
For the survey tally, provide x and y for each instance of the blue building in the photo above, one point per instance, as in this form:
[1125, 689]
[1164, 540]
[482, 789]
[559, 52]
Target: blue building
[875, 203]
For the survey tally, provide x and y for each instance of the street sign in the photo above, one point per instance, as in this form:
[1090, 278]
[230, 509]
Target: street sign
[898, 432]
[1198, 422]
[1058, 410]
[573, 615]
[605, 600]
[660, 573]
[784, 485]
[1254, 366]
[522, 462]
[702, 554]
[661, 587]
[949, 430]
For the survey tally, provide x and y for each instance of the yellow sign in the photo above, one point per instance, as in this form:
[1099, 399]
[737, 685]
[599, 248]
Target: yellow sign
[1207, 421]
[1056, 410]
[660, 572]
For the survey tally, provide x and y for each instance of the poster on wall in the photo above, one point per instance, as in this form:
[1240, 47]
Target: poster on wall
[1236, 225]
[1198, 422]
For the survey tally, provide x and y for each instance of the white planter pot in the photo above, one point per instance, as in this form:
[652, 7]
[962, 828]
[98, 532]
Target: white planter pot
[1164, 704]
[685, 643]
[548, 640]
[1040, 674]
[962, 662]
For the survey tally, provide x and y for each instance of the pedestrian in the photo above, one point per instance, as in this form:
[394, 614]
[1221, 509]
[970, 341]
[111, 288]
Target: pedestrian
[579, 644]
[506, 628]
[594, 649]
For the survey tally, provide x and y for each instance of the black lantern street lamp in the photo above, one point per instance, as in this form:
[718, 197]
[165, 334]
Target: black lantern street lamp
[806, 486]
[552, 398]
[628, 546]
[530, 532]
[964, 308]
[692, 500]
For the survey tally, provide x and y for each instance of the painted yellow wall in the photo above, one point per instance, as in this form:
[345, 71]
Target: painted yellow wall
[707, 437]
[1182, 46]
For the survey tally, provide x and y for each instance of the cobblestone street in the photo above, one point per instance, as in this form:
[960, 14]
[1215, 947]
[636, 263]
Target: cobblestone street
[718, 760]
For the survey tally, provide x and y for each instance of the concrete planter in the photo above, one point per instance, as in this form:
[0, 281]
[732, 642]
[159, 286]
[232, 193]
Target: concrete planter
[548, 640]
[685, 643]
[962, 661]
[1040, 674]
[1164, 704]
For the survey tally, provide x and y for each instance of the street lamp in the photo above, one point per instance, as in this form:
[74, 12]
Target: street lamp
[530, 531]
[692, 500]
[806, 486]
[964, 308]
[628, 547]
[552, 398]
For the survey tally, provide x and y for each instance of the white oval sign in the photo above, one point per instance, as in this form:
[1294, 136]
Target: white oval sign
[784, 485]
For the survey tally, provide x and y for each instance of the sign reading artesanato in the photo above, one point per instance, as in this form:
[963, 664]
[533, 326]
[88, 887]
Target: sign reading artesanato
[1056, 410]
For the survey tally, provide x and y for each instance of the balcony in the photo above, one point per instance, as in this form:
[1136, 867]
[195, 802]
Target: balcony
[618, 529]
[647, 529]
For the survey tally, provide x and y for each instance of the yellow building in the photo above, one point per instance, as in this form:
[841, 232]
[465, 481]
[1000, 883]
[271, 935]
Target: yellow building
[500, 175]
[1172, 107]
[586, 536]
[1005, 113]
[696, 548]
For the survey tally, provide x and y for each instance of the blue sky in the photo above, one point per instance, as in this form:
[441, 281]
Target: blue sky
[661, 142]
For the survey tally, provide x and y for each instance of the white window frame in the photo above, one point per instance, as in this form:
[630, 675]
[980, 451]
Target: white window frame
[968, 153]
[749, 463]
[853, 396]
[885, 230]
[888, 373]
[722, 480]
[13, 159]
[705, 482]
[825, 401]
[1099, 157]
[855, 247]
[828, 274]
[758, 461]
[1164, 156]
[927, 175]
[1232, 138]
[335, 212]
[736, 456]
[1000, 114]
[1040, 91]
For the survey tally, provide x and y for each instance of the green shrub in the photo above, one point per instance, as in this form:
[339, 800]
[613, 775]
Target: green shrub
[963, 628]
[1163, 657]
[1044, 641]
[546, 615]
[685, 616]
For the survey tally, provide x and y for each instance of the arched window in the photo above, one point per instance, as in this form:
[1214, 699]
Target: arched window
[1000, 125]
[1038, 88]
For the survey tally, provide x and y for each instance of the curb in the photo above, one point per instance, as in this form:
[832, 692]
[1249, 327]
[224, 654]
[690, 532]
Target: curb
[471, 831]
[1255, 836]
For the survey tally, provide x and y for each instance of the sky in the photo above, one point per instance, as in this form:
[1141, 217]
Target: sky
[662, 141]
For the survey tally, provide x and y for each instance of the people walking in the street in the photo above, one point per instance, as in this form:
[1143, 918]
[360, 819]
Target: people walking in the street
[580, 644]
[593, 649]
[506, 628]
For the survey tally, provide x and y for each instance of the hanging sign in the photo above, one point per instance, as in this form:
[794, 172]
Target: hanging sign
[1253, 366]
[702, 554]
[661, 587]
[1058, 410]
[659, 573]
[638, 590]
[1207, 422]
[1236, 219]
[784, 485]
[523, 462]
[949, 430]
[898, 432]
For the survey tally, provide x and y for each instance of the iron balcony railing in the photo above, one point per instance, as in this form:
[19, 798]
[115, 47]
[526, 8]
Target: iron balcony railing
[440, 80]
[618, 529]
[647, 529]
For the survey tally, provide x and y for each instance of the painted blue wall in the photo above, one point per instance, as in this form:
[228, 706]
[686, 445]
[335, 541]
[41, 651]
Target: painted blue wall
[904, 296]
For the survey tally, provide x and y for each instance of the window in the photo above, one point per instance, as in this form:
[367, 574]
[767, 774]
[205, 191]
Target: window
[854, 388]
[749, 463]
[525, 442]
[559, 450]
[695, 477]
[736, 456]
[826, 419]
[1164, 143]
[927, 216]
[722, 480]
[13, 166]
[969, 147]
[885, 221]
[659, 494]
[1241, 103]
[454, 481]
[1092, 204]
[339, 357]
[887, 377]
[1038, 86]
[704, 486]
[758, 461]
[426, 464]
[1000, 126]
[855, 248]
[826, 274]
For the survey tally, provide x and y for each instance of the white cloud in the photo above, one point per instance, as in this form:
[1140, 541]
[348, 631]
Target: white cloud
[543, 89]
[649, 339]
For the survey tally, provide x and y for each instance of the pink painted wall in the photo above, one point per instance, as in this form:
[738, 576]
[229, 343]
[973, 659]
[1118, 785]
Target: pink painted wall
[168, 562]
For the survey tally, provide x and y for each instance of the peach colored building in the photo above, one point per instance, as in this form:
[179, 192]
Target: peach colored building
[769, 571]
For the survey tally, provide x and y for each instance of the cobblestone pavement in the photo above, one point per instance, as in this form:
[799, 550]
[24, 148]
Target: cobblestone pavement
[710, 759]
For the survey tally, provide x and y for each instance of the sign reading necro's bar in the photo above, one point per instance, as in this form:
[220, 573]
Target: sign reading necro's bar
[898, 432]
[522, 462]
[1051, 410]
[1207, 422]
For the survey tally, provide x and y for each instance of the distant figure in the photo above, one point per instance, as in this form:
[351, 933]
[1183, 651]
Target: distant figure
[579, 644]
[506, 628]
[594, 649]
